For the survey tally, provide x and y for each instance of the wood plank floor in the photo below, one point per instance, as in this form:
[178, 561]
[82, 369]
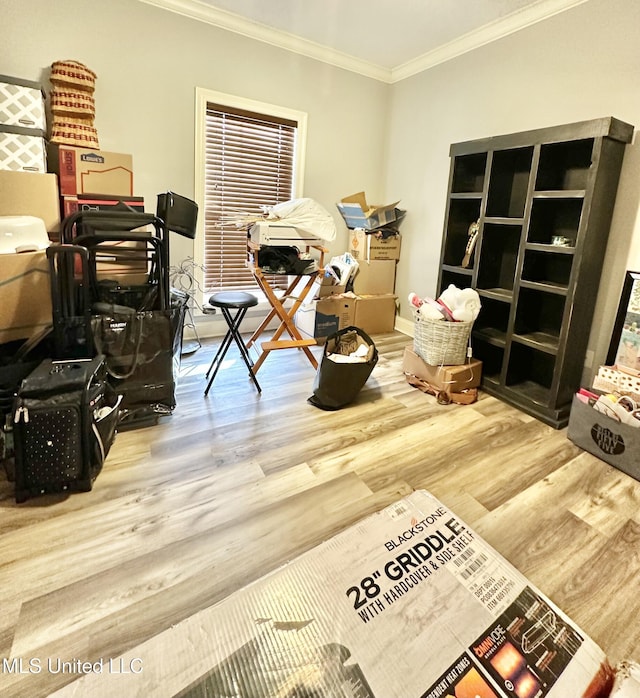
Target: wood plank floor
[233, 485]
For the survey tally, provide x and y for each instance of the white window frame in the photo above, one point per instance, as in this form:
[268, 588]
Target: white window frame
[205, 96]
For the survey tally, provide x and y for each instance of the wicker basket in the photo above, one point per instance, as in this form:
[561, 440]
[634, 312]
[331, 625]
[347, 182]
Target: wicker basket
[73, 73]
[441, 343]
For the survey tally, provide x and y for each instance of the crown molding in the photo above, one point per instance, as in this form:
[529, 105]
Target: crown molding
[484, 35]
[202, 12]
[231, 22]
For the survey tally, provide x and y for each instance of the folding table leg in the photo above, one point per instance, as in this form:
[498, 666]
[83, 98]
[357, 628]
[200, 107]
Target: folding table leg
[286, 321]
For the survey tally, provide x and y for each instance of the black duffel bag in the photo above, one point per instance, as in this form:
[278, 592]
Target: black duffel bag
[339, 379]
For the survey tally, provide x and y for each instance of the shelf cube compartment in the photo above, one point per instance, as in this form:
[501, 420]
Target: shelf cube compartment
[498, 256]
[554, 217]
[539, 318]
[509, 182]
[549, 268]
[492, 323]
[462, 213]
[492, 358]
[461, 279]
[531, 373]
[564, 166]
[469, 173]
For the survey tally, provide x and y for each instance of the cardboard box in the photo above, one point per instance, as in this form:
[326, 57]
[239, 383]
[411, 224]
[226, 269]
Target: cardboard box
[627, 683]
[453, 379]
[375, 278]
[325, 286]
[322, 317]
[614, 443]
[30, 194]
[367, 247]
[375, 314]
[409, 602]
[126, 263]
[26, 295]
[86, 171]
[357, 213]
[99, 202]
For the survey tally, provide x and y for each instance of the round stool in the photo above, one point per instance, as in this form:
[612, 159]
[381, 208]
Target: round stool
[240, 302]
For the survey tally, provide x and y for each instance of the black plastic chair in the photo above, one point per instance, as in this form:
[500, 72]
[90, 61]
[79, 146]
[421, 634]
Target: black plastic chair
[180, 215]
[240, 302]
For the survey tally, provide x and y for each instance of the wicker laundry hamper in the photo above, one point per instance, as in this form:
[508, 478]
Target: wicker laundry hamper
[441, 343]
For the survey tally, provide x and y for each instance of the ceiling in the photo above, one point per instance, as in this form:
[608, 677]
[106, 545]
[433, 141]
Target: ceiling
[384, 39]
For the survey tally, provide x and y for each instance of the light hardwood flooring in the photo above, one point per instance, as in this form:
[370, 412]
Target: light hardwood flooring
[197, 506]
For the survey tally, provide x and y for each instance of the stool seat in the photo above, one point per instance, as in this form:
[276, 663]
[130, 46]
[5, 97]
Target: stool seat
[238, 302]
[233, 299]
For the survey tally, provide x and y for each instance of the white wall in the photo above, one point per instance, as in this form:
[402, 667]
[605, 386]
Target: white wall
[578, 65]
[149, 62]
[583, 63]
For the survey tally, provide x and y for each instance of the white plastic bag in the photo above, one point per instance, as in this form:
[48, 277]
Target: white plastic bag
[307, 215]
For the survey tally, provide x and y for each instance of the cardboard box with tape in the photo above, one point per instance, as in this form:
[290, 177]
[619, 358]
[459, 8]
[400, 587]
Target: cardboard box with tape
[450, 380]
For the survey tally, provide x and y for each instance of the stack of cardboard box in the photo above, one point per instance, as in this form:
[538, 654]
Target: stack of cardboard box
[370, 302]
[92, 180]
[97, 180]
[24, 277]
[51, 196]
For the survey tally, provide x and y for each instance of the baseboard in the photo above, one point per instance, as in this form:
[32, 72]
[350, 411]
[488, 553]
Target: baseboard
[215, 326]
[404, 326]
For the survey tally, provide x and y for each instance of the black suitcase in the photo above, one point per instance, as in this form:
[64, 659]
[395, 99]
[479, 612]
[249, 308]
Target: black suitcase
[64, 420]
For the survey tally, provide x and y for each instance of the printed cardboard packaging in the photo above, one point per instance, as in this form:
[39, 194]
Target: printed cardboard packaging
[408, 603]
[86, 171]
[357, 213]
[363, 246]
[324, 316]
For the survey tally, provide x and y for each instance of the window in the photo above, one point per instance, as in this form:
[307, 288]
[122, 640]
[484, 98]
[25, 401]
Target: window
[248, 155]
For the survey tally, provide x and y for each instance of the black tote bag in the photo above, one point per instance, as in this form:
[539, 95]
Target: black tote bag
[142, 357]
[337, 383]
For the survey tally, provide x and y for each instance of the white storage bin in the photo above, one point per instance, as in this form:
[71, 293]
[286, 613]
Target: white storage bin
[21, 103]
[22, 149]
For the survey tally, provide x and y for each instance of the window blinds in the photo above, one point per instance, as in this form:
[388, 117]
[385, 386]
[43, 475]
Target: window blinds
[249, 163]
